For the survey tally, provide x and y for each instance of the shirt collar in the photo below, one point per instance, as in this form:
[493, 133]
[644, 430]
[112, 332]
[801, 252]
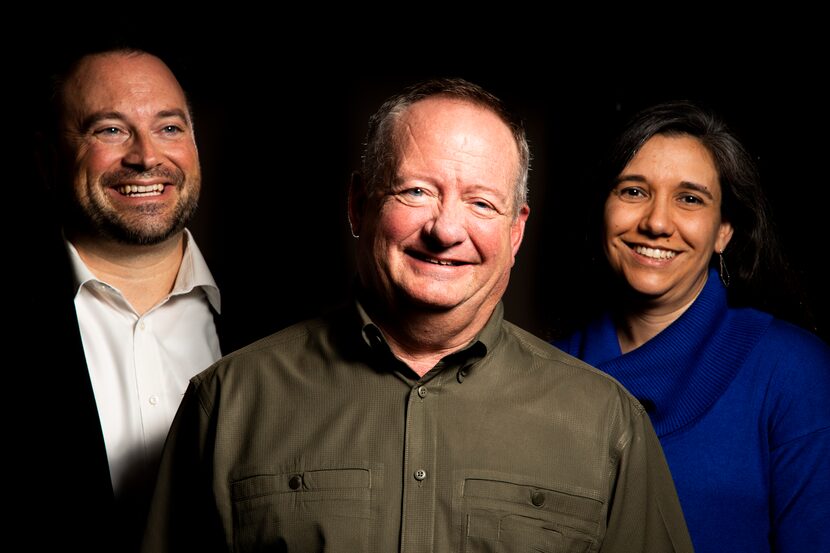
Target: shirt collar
[193, 272]
[80, 272]
[486, 338]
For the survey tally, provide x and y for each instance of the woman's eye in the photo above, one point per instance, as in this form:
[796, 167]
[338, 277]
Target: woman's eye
[631, 192]
[690, 199]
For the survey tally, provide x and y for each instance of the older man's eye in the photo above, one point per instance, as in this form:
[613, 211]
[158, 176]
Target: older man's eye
[415, 196]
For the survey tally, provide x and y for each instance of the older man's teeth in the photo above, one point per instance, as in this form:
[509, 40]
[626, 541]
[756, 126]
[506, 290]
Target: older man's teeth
[439, 262]
[141, 190]
[654, 253]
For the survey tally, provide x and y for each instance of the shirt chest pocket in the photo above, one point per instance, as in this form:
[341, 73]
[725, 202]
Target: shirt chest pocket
[505, 517]
[310, 510]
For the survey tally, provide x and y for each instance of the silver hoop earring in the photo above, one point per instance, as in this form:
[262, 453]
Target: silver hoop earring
[724, 274]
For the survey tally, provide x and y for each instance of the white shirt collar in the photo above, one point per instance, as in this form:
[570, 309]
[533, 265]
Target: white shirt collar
[193, 273]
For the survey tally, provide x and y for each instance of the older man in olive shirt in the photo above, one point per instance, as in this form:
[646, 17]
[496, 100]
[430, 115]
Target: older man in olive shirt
[418, 419]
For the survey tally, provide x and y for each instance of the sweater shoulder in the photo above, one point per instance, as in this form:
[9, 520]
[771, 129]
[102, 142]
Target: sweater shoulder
[794, 357]
[785, 341]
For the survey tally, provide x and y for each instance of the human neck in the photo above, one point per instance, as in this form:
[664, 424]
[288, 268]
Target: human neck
[422, 338]
[642, 321]
[644, 317]
[143, 274]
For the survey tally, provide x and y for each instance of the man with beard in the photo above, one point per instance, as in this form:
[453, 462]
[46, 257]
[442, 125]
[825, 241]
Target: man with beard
[125, 170]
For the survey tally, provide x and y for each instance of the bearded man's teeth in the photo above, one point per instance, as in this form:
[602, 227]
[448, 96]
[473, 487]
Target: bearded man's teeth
[141, 190]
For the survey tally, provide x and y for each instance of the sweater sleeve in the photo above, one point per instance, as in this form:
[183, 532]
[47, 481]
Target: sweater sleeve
[798, 420]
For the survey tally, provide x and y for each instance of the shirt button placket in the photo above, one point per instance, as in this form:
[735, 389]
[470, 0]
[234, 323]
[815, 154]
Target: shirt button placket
[419, 486]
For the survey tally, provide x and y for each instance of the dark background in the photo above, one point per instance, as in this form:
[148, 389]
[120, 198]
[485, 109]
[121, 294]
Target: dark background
[279, 126]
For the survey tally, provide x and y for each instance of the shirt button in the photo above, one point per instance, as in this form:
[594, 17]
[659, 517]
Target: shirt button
[537, 498]
[420, 475]
[154, 400]
[295, 482]
[141, 325]
[422, 391]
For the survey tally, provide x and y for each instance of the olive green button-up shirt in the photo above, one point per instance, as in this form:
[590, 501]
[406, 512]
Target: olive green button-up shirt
[318, 439]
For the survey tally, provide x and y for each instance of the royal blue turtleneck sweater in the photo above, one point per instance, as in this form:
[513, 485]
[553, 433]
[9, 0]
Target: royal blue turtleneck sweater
[741, 404]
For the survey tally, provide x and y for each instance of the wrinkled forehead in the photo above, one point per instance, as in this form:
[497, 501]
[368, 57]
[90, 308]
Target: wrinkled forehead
[456, 123]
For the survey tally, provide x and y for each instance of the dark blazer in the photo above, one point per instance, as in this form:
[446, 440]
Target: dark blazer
[61, 492]
[60, 489]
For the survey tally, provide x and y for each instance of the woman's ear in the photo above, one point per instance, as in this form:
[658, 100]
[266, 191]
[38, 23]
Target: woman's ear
[725, 232]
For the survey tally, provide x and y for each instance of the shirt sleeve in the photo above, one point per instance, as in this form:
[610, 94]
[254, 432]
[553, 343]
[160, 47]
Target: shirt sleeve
[184, 515]
[644, 513]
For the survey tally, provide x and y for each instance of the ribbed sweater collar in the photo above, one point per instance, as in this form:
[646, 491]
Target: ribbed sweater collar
[680, 373]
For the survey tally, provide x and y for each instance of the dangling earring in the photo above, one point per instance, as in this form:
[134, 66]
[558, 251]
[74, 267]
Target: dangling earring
[724, 274]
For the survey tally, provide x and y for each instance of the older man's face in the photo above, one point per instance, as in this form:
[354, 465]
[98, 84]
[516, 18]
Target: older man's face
[444, 234]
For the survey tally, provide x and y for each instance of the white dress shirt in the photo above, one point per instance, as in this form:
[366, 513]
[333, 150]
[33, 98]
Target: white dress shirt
[140, 365]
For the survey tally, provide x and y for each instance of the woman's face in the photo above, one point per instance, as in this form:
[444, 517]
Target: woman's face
[663, 220]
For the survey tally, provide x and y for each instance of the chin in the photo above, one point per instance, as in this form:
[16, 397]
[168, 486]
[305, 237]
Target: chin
[144, 235]
[437, 305]
[438, 302]
[651, 287]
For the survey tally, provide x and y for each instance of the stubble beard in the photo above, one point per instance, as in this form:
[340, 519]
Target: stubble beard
[144, 225]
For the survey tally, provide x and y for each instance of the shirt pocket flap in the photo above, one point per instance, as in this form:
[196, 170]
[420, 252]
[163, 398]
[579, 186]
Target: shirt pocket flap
[578, 512]
[347, 483]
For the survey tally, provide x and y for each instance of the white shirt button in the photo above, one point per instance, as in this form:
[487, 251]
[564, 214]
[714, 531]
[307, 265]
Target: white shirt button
[420, 475]
[154, 400]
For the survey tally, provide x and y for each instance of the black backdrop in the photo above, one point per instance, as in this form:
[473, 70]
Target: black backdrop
[279, 129]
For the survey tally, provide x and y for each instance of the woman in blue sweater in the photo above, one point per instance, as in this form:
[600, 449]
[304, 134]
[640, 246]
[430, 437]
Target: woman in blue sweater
[739, 398]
